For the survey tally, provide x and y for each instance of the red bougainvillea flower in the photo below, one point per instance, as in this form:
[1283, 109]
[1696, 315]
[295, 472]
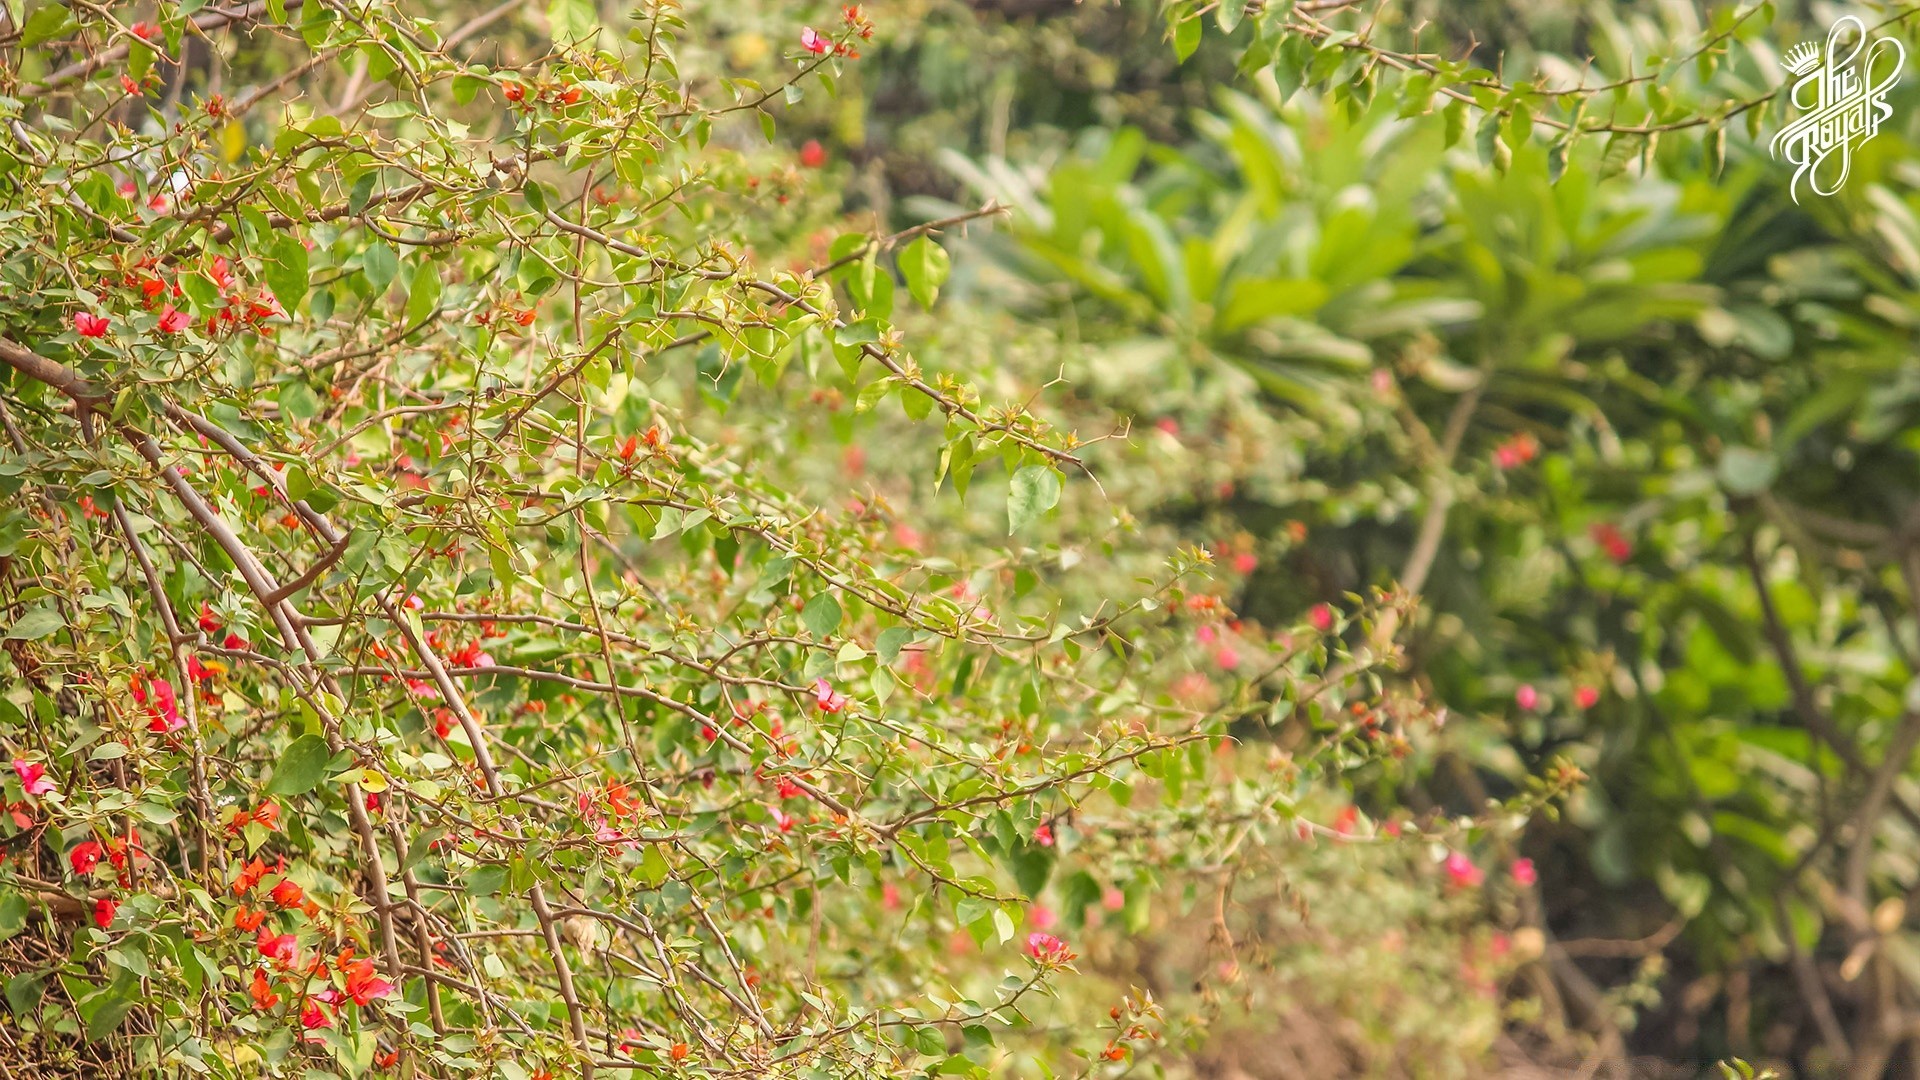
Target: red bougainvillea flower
[514, 91]
[571, 95]
[287, 893]
[364, 985]
[1043, 835]
[1526, 696]
[1611, 540]
[247, 920]
[1321, 617]
[129, 85]
[221, 272]
[103, 911]
[262, 992]
[812, 154]
[281, 947]
[313, 1016]
[813, 41]
[145, 31]
[1048, 949]
[827, 698]
[1524, 874]
[163, 708]
[679, 1051]
[250, 876]
[1586, 697]
[1461, 871]
[89, 324]
[1516, 451]
[173, 320]
[85, 857]
[783, 820]
[33, 776]
[789, 789]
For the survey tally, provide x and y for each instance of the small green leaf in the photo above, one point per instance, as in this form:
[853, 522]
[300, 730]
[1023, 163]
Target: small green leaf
[286, 270]
[51, 21]
[13, 914]
[1186, 38]
[379, 264]
[821, 615]
[925, 265]
[35, 624]
[301, 767]
[891, 641]
[1746, 471]
[425, 295]
[1034, 491]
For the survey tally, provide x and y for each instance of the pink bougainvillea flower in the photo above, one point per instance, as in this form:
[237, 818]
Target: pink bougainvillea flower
[1048, 949]
[85, 857]
[173, 320]
[1043, 835]
[813, 41]
[1586, 697]
[279, 947]
[89, 324]
[33, 776]
[1321, 616]
[827, 698]
[1526, 696]
[1461, 871]
[314, 1017]
[1523, 873]
[163, 707]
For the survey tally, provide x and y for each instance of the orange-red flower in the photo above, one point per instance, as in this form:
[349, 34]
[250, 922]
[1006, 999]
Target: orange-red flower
[262, 992]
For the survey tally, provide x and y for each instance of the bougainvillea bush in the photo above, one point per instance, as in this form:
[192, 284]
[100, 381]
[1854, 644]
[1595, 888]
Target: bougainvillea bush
[498, 577]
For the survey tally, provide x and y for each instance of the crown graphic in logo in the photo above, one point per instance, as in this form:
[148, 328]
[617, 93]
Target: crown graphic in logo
[1802, 57]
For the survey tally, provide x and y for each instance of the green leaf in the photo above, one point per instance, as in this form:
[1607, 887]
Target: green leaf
[925, 265]
[379, 264]
[1034, 491]
[891, 641]
[425, 295]
[301, 767]
[571, 20]
[23, 992]
[35, 624]
[1186, 38]
[1746, 471]
[51, 21]
[286, 270]
[821, 615]
[13, 914]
